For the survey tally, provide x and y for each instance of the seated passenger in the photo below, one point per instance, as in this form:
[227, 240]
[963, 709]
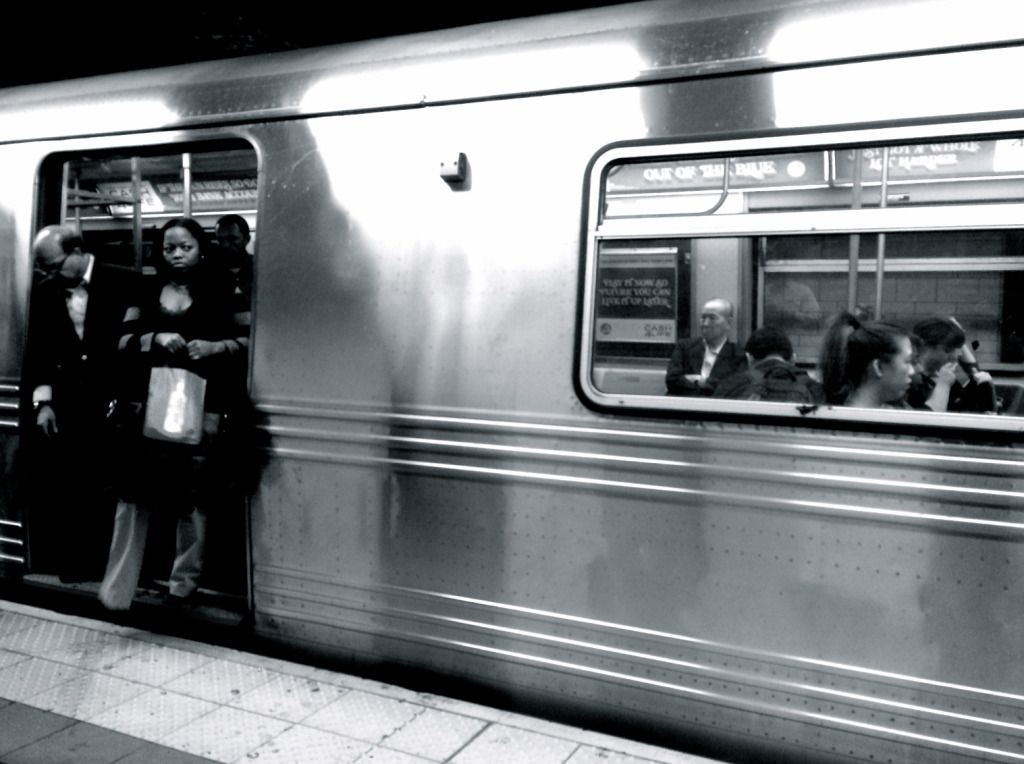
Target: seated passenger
[697, 365]
[947, 377]
[866, 364]
[772, 375]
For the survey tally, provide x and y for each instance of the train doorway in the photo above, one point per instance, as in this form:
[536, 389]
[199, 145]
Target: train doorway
[119, 201]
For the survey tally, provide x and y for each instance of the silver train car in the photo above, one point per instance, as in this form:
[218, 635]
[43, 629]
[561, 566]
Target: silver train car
[474, 252]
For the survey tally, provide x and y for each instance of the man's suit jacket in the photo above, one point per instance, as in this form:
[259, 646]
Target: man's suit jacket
[688, 357]
[82, 372]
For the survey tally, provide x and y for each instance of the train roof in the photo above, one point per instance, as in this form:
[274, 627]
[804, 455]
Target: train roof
[575, 50]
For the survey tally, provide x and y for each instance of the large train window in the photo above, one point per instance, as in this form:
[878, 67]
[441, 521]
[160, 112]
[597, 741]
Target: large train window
[780, 240]
[119, 199]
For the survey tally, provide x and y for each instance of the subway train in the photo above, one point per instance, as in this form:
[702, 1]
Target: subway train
[474, 251]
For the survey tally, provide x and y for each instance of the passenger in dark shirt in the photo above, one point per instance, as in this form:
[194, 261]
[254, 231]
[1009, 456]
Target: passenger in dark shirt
[233, 237]
[76, 310]
[947, 377]
[772, 375]
[697, 365]
[184, 321]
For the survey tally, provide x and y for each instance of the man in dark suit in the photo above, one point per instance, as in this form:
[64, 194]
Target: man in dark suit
[697, 365]
[76, 311]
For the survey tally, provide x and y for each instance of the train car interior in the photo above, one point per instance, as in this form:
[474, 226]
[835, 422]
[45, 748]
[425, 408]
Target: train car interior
[889, 230]
[119, 200]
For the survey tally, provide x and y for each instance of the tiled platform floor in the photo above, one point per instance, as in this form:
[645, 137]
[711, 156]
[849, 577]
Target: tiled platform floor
[79, 691]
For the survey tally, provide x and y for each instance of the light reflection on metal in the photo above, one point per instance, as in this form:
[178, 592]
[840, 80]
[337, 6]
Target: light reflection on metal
[717, 496]
[731, 700]
[843, 722]
[875, 91]
[841, 451]
[729, 674]
[722, 646]
[905, 27]
[52, 120]
[456, 231]
[927, 710]
[474, 75]
[720, 469]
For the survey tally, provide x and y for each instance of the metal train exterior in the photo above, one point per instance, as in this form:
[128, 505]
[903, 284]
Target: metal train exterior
[463, 483]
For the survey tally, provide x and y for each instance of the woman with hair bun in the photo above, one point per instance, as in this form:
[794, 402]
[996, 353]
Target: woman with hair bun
[867, 364]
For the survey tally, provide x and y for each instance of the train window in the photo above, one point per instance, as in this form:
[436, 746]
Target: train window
[120, 199]
[780, 239]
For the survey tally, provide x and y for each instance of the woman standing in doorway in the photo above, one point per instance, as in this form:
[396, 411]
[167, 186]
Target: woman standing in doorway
[183, 320]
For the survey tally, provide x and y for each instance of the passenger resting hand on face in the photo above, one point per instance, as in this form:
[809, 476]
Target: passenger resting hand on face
[948, 377]
[944, 379]
[967, 360]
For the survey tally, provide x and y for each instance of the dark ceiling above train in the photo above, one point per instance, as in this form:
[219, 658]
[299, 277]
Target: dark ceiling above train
[62, 42]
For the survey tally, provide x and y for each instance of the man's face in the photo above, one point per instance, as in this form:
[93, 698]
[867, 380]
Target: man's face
[231, 239]
[714, 323]
[60, 256]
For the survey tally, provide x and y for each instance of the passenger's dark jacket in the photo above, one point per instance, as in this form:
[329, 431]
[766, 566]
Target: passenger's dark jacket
[83, 373]
[688, 357]
[211, 316]
[201, 474]
[772, 379]
[969, 398]
[69, 475]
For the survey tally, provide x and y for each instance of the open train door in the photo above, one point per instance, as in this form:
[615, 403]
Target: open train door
[119, 199]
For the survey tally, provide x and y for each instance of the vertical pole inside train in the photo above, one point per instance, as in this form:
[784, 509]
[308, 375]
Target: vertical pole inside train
[137, 212]
[855, 203]
[880, 257]
[64, 182]
[186, 182]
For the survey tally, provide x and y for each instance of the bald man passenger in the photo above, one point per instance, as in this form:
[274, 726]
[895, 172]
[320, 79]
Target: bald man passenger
[699, 364]
[77, 305]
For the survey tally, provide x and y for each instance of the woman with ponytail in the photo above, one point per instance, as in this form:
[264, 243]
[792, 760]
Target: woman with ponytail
[868, 364]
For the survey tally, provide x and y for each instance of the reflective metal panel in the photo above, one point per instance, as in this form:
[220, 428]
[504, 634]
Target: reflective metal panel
[15, 208]
[438, 495]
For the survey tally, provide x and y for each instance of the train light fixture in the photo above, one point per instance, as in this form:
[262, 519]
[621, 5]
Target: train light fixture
[454, 169]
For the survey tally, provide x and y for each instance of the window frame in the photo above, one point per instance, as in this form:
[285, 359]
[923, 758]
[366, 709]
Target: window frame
[56, 200]
[598, 229]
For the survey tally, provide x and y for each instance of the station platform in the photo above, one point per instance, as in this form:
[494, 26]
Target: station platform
[75, 690]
